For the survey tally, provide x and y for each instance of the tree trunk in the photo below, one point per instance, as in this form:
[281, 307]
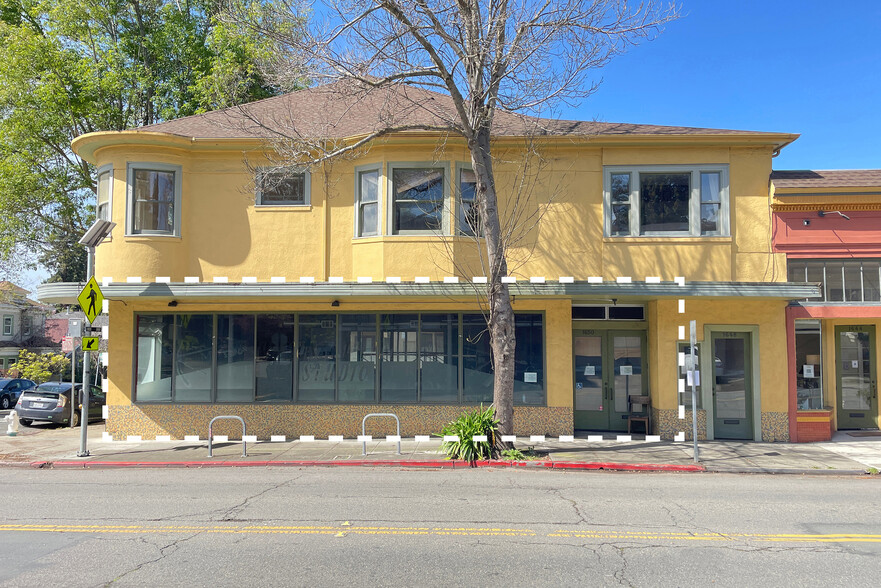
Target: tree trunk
[500, 322]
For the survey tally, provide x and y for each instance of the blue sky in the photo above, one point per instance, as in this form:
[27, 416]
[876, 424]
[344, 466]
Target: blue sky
[806, 67]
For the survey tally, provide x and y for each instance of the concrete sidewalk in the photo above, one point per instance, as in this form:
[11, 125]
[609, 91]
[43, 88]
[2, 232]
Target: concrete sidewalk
[844, 455]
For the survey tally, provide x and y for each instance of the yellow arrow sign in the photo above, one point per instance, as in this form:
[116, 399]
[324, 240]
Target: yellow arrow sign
[90, 343]
[91, 299]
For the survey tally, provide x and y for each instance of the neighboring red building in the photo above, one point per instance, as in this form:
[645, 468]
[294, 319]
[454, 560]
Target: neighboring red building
[828, 223]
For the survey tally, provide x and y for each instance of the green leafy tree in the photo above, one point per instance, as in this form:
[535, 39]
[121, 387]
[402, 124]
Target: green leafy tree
[69, 67]
[41, 367]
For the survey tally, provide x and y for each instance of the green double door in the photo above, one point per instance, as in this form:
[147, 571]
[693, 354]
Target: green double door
[609, 367]
[857, 384]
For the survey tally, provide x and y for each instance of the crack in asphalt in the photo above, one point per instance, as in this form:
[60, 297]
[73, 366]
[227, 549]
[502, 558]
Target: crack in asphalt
[164, 552]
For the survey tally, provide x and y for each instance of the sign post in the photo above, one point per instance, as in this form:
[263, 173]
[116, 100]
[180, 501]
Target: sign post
[694, 377]
[74, 330]
[91, 300]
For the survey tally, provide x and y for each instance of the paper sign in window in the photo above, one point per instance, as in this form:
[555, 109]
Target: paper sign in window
[590, 370]
[626, 370]
[808, 371]
[530, 377]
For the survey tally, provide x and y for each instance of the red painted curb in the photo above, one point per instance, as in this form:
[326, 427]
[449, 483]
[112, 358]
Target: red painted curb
[446, 464]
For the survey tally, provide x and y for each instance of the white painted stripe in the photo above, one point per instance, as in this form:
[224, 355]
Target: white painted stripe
[536, 438]
[679, 280]
[307, 438]
[307, 280]
[249, 279]
[567, 438]
[335, 280]
[104, 414]
[365, 280]
[191, 279]
[652, 280]
[133, 439]
[221, 279]
[509, 438]
[335, 438]
[422, 279]
[681, 411]
[105, 332]
[566, 280]
[393, 279]
[681, 385]
[682, 359]
[451, 438]
[680, 436]
[479, 279]
[104, 357]
[163, 279]
[537, 280]
[393, 438]
[652, 438]
[277, 280]
[106, 281]
[221, 438]
[105, 306]
[681, 306]
[105, 436]
[250, 438]
[133, 280]
[105, 387]
[623, 280]
[423, 438]
[278, 438]
[624, 438]
[594, 280]
[163, 438]
[451, 280]
[509, 279]
[594, 438]
[191, 438]
[682, 332]
[365, 438]
[479, 438]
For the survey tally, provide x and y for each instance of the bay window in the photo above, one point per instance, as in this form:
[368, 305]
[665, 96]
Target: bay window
[419, 197]
[154, 191]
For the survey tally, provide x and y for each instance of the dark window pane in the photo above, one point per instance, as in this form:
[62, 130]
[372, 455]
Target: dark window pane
[275, 357]
[795, 270]
[664, 202]
[620, 188]
[834, 283]
[153, 201]
[871, 285]
[529, 359]
[154, 358]
[589, 312]
[418, 216]
[317, 354]
[469, 216]
[476, 360]
[620, 219]
[399, 354]
[282, 188]
[356, 380]
[631, 313]
[438, 357]
[193, 354]
[368, 202]
[709, 218]
[419, 199]
[235, 358]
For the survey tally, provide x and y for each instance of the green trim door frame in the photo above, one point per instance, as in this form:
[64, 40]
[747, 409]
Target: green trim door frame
[753, 383]
[609, 366]
[856, 377]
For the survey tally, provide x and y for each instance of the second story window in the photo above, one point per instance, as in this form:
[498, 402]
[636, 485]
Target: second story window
[7, 325]
[154, 199]
[282, 188]
[102, 210]
[366, 202]
[26, 325]
[418, 198]
[841, 280]
[675, 201]
[468, 215]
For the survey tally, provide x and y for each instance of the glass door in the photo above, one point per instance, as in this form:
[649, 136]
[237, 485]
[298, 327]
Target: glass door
[732, 386]
[856, 382]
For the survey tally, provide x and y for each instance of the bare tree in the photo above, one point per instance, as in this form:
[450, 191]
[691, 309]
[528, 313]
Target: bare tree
[500, 65]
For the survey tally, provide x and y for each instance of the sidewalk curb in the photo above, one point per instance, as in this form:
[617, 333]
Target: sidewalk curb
[785, 471]
[439, 464]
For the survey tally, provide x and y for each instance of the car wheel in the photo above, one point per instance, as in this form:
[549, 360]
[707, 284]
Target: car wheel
[26, 422]
[5, 402]
[76, 420]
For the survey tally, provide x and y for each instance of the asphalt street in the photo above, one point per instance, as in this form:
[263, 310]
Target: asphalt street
[481, 527]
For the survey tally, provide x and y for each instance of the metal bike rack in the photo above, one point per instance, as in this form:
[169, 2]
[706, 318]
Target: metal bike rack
[379, 414]
[211, 437]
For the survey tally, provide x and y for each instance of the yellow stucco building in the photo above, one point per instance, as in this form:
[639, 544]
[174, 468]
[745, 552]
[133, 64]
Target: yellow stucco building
[303, 301]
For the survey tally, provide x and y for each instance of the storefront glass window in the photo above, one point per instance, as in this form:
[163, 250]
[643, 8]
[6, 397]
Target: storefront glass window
[235, 358]
[357, 374]
[399, 355]
[153, 358]
[808, 365]
[477, 376]
[529, 359]
[317, 357]
[274, 364]
[439, 358]
[193, 355]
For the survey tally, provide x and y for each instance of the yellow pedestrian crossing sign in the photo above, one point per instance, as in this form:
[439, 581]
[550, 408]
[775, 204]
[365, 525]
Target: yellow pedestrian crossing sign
[90, 343]
[91, 300]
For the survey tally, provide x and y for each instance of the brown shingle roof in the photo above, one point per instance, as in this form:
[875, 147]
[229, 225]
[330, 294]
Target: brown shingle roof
[343, 109]
[828, 178]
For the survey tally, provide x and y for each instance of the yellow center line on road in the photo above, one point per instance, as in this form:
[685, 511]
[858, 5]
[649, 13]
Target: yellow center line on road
[425, 531]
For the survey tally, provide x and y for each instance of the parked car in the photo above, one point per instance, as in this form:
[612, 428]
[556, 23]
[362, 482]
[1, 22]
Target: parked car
[11, 389]
[51, 402]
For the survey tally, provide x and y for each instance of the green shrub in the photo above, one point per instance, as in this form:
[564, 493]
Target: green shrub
[479, 422]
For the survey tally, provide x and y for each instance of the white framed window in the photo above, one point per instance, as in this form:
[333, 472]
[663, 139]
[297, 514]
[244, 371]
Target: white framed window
[25, 325]
[154, 193]
[467, 215]
[419, 198]
[283, 187]
[104, 207]
[8, 325]
[666, 200]
[367, 184]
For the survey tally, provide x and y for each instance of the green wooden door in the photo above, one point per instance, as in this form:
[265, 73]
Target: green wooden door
[856, 382]
[732, 386]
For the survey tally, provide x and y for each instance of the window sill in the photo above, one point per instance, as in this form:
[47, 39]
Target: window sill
[283, 207]
[427, 238]
[145, 236]
[667, 240]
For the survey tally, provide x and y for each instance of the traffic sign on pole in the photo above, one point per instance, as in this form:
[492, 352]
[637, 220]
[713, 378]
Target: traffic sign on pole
[91, 299]
[90, 343]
